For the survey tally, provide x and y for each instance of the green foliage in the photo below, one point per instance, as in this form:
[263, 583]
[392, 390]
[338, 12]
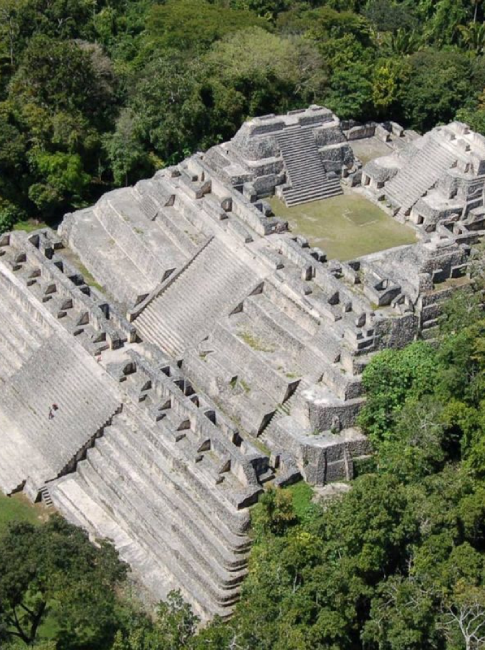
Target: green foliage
[274, 512]
[439, 83]
[302, 495]
[54, 569]
[391, 378]
[10, 214]
[389, 16]
[128, 157]
[63, 180]
[194, 24]
[173, 627]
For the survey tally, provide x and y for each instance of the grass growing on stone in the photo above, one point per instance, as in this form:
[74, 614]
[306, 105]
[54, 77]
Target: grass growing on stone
[245, 386]
[259, 444]
[18, 508]
[345, 226]
[30, 225]
[89, 279]
[254, 342]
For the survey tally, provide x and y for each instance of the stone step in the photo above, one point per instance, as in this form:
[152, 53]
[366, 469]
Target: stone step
[79, 501]
[232, 523]
[271, 317]
[131, 513]
[313, 197]
[177, 492]
[419, 174]
[303, 164]
[186, 312]
[324, 186]
[184, 528]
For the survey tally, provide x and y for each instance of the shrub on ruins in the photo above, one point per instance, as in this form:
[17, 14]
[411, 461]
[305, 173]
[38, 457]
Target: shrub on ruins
[274, 513]
[53, 572]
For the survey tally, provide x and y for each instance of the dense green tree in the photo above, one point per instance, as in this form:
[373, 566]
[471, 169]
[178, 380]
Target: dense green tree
[54, 570]
[128, 157]
[194, 24]
[438, 84]
[63, 180]
[444, 20]
[253, 73]
[170, 115]
[392, 377]
[389, 16]
[172, 628]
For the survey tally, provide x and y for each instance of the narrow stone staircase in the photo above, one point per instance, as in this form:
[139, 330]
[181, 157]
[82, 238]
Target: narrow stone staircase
[188, 310]
[419, 175]
[306, 174]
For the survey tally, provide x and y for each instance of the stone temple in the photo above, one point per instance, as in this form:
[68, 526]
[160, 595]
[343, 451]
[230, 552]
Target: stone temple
[175, 347]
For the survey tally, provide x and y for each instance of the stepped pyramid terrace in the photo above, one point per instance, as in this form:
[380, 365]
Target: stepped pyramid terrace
[178, 346]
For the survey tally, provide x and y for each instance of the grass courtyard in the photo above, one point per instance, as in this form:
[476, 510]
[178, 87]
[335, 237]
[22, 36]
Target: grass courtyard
[345, 226]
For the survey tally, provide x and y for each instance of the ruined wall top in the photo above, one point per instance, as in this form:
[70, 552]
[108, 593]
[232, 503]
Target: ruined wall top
[254, 141]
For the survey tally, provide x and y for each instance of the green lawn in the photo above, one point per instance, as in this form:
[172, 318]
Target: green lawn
[19, 508]
[346, 226]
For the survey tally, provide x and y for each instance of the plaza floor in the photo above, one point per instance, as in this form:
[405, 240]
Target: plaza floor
[346, 226]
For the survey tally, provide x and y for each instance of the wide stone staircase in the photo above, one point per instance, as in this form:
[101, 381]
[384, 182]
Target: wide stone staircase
[175, 532]
[212, 285]
[61, 374]
[305, 170]
[419, 175]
